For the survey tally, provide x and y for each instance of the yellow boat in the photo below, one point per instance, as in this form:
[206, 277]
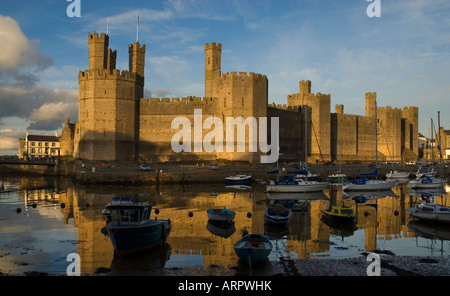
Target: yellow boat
[341, 213]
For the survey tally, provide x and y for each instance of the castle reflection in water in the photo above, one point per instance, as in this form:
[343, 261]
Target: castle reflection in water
[381, 218]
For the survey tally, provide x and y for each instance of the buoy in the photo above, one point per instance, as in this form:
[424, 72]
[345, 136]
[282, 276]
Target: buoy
[249, 215]
[63, 205]
[190, 214]
[19, 210]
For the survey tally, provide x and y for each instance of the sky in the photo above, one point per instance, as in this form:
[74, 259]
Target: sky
[402, 54]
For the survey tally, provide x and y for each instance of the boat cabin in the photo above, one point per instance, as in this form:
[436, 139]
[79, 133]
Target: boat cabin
[127, 210]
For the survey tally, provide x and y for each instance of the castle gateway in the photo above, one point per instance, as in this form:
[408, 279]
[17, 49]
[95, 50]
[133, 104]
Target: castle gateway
[117, 124]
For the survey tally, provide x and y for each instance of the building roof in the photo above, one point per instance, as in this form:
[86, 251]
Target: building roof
[43, 138]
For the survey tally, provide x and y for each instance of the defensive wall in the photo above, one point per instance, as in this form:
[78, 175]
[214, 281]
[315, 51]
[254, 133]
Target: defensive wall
[116, 123]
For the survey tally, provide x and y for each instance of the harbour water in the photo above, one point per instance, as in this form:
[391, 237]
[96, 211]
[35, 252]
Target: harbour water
[44, 219]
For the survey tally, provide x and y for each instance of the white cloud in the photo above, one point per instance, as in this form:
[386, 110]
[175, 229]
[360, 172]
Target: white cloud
[17, 50]
[52, 111]
[10, 138]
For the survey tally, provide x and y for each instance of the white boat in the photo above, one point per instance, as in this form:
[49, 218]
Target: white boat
[337, 178]
[424, 172]
[427, 182]
[397, 175]
[238, 179]
[431, 212]
[295, 185]
[362, 184]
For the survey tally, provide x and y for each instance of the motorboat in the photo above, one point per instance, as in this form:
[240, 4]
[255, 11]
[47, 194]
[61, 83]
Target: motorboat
[290, 184]
[130, 228]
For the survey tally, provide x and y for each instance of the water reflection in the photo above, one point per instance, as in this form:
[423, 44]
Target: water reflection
[382, 222]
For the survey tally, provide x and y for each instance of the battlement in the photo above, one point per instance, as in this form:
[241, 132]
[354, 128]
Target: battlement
[284, 107]
[244, 75]
[183, 100]
[388, 109]
[113, 74]
[213, 45]
[95, 37]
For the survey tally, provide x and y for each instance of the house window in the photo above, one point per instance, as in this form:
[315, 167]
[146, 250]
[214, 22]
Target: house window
[39, 143]
[53, 144]
[46, 144]
[33, 150]
[33, 143]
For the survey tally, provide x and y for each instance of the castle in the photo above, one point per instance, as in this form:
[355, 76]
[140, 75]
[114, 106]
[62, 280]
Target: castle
[116, 123]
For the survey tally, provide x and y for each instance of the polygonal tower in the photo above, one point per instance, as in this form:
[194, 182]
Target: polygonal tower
[108, 115]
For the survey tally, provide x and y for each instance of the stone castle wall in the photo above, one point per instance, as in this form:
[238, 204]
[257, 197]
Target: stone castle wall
[117, 123]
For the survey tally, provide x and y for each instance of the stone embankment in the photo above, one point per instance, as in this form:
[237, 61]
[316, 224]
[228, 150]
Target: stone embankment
[130, 173]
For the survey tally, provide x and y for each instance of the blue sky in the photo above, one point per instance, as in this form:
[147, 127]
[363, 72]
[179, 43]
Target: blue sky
[402, 55]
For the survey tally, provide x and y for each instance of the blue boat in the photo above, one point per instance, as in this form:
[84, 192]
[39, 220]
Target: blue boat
[130, 228]
[277, 217]
[253, 248]
[223, 215]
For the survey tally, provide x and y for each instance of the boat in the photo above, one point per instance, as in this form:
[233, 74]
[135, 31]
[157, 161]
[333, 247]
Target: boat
[427, 182]
[296, 196]
[238, 179]
[397, 175]
[337, 178]
[421, 172]
[223, 215]
[430, 212]
[221, 229]
[362, 183]
[340, 213]
[305, 175]
[253, 248]
[363, 196]
[289, 184]
[130, 228]
[277, 217]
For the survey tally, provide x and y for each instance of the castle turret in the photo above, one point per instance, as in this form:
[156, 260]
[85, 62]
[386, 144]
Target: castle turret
[98, 51]
[371, 102]
[213, 57]
[137, 58]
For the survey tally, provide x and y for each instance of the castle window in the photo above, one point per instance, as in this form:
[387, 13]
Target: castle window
[208, 60]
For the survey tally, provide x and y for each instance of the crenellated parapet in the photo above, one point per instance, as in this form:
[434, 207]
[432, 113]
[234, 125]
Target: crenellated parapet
[178, 106]
[244, 76]
[106, 74]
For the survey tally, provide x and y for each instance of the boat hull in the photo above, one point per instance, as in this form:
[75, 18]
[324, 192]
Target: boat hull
[423, 184]
[290, 188]
[429, 216]
[369, 185]
[129, 239]
[276, 217]
[221, 215]
[252, 253]
[237, 180]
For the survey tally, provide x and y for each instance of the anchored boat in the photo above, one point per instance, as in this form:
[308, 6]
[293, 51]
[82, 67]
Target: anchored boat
[130, 228]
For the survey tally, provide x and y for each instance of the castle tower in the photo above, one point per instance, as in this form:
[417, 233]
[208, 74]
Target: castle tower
[371, 102]
[98, 51]
[319, 121]
[108, 109]
[213, 55]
